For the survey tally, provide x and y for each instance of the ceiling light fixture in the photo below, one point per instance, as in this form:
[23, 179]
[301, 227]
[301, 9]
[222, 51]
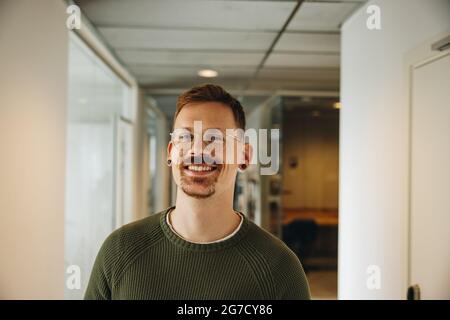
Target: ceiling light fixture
[207, 73]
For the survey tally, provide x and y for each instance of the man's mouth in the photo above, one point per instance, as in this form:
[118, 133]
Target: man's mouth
[200, 169]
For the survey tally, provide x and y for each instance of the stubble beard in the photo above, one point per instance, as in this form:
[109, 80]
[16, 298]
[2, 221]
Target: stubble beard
[190, 185]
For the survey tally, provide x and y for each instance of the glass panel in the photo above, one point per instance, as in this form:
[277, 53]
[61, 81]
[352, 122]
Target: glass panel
[96, 98]
[310, 188]
[157, 138]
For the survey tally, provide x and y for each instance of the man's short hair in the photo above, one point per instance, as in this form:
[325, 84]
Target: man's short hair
[212, 93]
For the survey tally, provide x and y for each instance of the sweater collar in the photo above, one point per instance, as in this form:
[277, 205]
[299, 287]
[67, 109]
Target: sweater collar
[204, 247]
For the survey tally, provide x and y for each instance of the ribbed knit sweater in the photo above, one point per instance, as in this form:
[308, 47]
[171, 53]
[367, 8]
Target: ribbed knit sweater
[146, 259]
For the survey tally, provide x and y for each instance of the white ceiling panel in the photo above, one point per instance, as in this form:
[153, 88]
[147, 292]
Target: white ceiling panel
[165, 42]
[271, 15]
[188, 82]
[271, 85]
[303, 60]
[308, 42]
[206, 59]
[321, 16]
[166, 71]
[186, 39]
[299, 73]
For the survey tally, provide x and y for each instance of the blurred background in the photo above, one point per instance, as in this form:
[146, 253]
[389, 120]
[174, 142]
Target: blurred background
[359, 90]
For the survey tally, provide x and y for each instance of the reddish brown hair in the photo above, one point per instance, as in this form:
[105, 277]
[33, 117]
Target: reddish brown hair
[212, 93]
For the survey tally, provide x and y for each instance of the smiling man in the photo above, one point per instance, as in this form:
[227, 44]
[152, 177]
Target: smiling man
[201, 248]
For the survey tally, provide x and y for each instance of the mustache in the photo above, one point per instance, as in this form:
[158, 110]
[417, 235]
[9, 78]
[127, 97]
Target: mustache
[201, 159]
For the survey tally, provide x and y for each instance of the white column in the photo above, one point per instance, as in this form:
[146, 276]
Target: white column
[374, 143]
[33, 102]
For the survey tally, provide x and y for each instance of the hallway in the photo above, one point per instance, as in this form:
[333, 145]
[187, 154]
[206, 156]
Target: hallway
[347, 101]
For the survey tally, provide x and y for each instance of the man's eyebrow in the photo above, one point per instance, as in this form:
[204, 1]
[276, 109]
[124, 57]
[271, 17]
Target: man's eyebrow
[204, 129]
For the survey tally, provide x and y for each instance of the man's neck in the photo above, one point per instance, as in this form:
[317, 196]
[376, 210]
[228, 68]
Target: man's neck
[204, 220]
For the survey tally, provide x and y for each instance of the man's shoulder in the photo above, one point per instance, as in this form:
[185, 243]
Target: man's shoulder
[263, 239]
[272, 248]
[272, 257]
[144, 232]
[141, 226]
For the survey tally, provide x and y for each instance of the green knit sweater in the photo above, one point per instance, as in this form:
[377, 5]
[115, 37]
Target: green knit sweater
[146, 259]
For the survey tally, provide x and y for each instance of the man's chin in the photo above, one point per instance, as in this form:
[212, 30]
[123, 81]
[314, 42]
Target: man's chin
[197, 192]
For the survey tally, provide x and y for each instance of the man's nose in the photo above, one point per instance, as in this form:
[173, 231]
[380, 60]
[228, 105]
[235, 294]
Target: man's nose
[199, 150]
[197, 146]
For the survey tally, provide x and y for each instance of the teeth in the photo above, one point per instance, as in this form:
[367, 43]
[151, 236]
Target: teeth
[199, 168]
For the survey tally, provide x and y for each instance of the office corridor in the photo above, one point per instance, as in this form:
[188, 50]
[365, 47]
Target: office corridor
[347, 102]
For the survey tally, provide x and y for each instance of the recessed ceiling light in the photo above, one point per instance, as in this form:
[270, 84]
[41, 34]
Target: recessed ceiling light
[207, 73]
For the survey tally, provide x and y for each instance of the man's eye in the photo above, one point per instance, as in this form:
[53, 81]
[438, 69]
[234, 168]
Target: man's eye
[184, 137]
[214, 138]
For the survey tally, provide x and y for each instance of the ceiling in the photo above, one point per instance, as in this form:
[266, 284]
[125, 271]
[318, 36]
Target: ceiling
[256, 46]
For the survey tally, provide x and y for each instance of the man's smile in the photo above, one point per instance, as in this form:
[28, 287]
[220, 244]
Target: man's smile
[200, 170]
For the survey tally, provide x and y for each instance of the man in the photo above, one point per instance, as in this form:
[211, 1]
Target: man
[200, 248]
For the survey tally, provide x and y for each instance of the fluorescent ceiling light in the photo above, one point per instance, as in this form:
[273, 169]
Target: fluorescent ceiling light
[207, 73]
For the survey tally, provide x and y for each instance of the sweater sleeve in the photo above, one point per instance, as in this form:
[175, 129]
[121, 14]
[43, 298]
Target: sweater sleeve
[100, 281]
[290, 279]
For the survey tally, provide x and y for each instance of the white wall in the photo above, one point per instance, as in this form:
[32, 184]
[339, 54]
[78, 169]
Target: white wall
[33, 98]
[374, 143]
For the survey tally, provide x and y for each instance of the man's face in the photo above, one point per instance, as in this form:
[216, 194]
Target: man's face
[198, 166]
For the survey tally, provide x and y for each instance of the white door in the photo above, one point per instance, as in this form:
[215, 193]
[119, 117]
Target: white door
[430, 179]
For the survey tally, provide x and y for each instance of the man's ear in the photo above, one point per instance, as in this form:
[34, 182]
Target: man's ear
[248, 153]
[169, 150]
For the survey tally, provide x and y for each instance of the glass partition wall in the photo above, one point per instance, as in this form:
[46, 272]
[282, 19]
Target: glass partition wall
[98, 161]
[157, 138]
[299, 202]
[311, 187]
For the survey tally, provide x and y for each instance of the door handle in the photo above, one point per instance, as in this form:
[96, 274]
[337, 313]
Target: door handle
[413, 292]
